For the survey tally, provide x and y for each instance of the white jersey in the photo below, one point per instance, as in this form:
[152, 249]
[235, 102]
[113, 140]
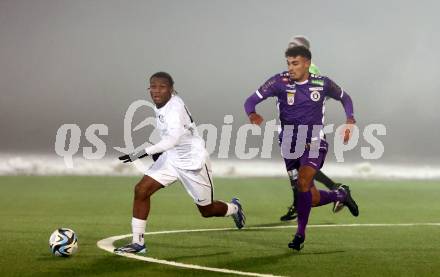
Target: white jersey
[179, 137]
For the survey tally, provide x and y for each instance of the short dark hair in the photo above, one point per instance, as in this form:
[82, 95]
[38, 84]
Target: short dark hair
[164, 75]
[298, 51]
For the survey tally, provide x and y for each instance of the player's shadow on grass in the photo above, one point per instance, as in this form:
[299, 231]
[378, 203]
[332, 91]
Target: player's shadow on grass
[279, 223]
[273, 259]
[287, 223]
[304, 252]
[263, 260]
[165, 245]
[104, 266]
[196, 256]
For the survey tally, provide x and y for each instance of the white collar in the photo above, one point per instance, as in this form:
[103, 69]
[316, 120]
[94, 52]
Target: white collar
[302, 83]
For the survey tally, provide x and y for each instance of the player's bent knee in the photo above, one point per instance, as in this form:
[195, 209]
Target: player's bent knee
[140, 191]
[302, 184]
[146, 187]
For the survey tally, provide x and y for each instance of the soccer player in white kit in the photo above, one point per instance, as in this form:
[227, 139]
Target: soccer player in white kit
[179, 155]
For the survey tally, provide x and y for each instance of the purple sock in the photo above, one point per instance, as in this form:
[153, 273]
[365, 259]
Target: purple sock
[331, 196]
[304, 205]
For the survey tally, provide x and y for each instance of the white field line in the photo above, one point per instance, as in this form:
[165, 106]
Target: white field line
[107, 243]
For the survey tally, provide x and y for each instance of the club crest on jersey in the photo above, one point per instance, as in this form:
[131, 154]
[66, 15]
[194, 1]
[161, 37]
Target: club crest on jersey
[291, 97]
[315, 96]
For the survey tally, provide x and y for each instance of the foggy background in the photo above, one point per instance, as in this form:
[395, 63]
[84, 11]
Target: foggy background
[85, 62]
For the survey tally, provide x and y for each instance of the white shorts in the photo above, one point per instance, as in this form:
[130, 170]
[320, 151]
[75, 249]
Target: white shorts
[197, 183]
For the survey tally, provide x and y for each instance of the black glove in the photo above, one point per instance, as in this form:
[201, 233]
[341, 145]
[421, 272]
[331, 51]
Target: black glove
[156, 156]
[128, 158]
[125, 158]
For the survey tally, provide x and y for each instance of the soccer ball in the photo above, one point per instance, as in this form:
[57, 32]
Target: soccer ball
[63, 242]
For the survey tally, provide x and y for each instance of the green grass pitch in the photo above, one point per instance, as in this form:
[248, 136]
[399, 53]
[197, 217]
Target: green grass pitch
[99, 207]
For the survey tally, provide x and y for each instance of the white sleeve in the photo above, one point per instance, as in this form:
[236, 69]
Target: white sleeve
[175, 130]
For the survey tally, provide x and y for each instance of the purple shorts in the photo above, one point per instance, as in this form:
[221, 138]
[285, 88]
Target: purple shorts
[305, 159]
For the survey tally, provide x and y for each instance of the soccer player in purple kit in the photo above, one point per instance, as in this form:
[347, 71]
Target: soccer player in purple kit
[301, 97]
[300, 40]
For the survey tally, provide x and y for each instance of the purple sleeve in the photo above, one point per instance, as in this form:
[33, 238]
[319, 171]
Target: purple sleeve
[336, 92]
[348, 105]
[268, 89]
[251, 102]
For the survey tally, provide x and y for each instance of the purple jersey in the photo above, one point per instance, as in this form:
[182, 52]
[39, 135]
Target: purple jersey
[300, 103]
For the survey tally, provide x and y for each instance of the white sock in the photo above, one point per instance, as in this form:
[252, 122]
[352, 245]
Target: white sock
[138, 229]
[232, 209]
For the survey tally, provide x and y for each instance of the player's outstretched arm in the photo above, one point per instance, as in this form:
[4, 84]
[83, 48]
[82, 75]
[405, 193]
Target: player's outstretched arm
[155, 150]
[166, 143]
[337, 93]
[268, 89]
[175, 130]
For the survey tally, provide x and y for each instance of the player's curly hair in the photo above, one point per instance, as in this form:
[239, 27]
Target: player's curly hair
[298, 51]
[162, 74]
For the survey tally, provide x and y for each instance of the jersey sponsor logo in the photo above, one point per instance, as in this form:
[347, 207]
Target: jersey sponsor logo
[318, 82]
[290, 97]
[161, 119]
[316, 88]
[315, 96]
